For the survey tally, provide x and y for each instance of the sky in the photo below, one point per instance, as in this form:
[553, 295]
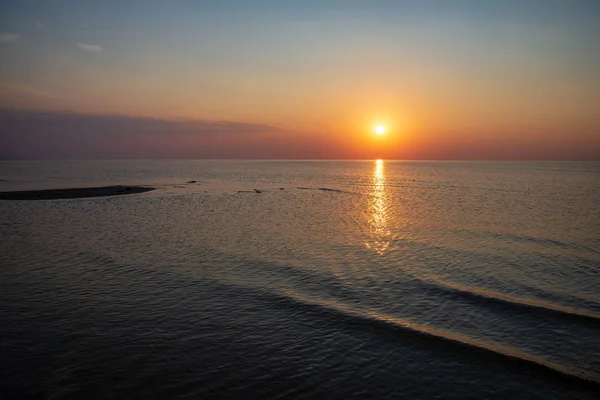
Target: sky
[283, 79]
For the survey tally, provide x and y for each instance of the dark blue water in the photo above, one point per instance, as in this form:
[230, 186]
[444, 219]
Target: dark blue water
[338, 280]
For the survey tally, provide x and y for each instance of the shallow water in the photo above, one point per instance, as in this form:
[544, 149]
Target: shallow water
[338, 280]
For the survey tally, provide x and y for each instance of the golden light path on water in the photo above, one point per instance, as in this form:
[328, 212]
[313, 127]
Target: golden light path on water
[378, 211]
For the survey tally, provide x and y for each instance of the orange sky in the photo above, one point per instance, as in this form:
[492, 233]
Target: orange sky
[469, 81]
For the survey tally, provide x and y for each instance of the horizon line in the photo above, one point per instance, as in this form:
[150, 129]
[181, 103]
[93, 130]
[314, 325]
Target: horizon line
[289, 159]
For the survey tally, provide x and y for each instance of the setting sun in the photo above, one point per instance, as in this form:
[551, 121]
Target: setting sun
[380, 129]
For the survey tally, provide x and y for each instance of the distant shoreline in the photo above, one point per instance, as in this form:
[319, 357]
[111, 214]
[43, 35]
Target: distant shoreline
[74, 193]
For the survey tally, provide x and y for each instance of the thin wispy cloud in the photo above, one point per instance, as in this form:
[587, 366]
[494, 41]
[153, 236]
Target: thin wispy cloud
[11, 91]
[9, 37]
[90, 47]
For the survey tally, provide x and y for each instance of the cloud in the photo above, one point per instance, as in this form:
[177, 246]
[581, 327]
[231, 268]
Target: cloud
[47, 134]
[90, 47]
[9, 37]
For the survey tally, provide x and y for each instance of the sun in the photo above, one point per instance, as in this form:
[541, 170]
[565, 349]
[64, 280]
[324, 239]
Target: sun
[380, 129]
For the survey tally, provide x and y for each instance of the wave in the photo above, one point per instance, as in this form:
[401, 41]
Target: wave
[431, 283]
[506, 300]
[506, 355]
[443, 252]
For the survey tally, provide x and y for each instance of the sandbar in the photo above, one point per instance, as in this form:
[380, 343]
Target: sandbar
[74, 193]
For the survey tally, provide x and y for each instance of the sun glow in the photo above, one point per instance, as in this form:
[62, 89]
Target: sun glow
[380, 129]
[381, 236]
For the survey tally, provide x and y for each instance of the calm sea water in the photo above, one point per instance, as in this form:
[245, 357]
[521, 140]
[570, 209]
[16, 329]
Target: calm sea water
[339, 280]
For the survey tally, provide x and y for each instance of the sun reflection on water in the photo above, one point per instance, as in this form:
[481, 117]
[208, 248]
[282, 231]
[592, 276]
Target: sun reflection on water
[378, 211]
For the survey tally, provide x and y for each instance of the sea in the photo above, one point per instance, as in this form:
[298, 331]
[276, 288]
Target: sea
[372, 279]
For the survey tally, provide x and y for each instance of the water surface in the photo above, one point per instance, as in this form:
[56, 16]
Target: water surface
[370, 279]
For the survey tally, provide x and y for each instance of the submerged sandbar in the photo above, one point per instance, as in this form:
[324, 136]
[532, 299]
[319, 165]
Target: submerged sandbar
[74, 193]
